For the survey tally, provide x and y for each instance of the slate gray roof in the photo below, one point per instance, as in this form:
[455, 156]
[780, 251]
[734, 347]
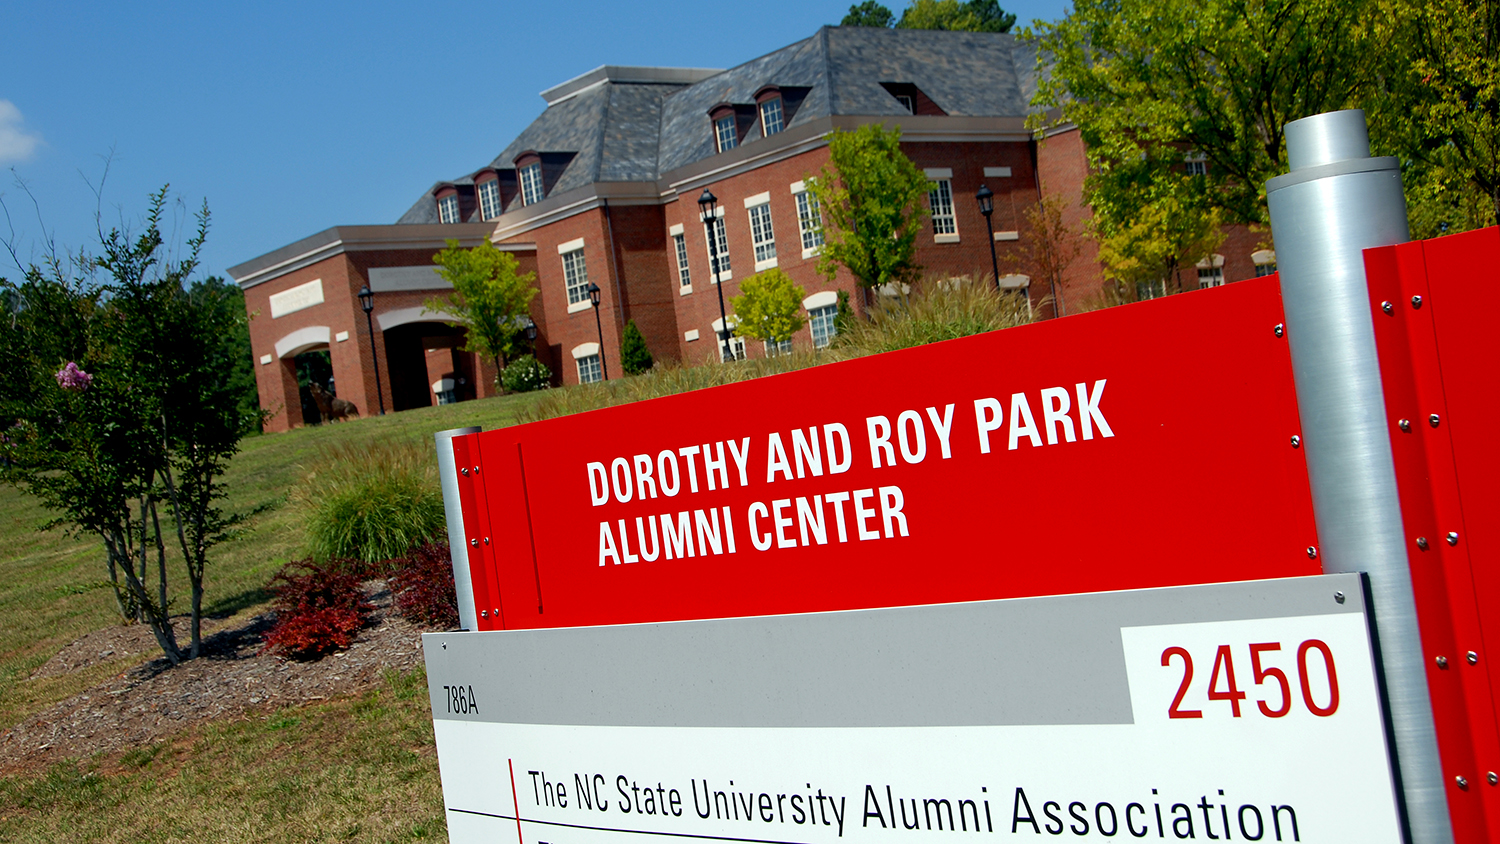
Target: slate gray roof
[622, 131]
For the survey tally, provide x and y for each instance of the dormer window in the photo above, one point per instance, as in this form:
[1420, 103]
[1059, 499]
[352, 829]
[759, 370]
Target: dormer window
[725, 133]
[531, 182]
[912, 99]
[489, 198]
[771, 116]
[907, 102]
[448, 208]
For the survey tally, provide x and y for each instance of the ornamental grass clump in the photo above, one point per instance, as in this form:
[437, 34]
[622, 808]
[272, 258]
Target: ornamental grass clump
[320, 607]
[936, 310]
[371, 502]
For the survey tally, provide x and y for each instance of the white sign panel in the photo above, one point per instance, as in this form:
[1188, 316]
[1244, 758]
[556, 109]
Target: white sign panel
[294, 299]
[1253, 729]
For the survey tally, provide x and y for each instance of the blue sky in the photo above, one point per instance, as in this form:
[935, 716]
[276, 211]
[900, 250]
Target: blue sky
[293, 117]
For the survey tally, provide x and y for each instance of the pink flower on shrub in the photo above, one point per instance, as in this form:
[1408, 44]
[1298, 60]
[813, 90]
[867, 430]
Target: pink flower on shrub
[70, 377]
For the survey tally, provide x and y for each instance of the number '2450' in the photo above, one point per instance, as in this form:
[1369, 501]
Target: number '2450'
[1223, 675]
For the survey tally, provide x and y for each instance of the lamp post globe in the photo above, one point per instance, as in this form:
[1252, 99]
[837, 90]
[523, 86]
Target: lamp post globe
[367, 304]
[986, 199]
[593, 290]
[708, 205]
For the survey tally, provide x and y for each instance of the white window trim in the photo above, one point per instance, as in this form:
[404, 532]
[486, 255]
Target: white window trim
[1214, 261]
[758, 199]
[736, 343]
[265, 359]
[341, 337]
[580, 306]
[457, 214]
[945, 238]
[540, 184]
[760, 109]
[1261, 257]
[678, 259]
[752, 203]
[675, 230]
[798, 187]
[585, 350]
[563, 251]
[724, 275]
[1015, 282]
[479, 191]
[801, 187]
[690, 335]
[1007, 235]
[821, 299]
[997, 172]
[571, 246]
[935, 173]
[939, 175]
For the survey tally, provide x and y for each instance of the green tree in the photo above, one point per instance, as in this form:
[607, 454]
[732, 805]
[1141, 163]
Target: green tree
[1167, 232]
[635, 358]
[769, 307]
[1147, 82]
[227, 302]
[1050, 247]
[871, 200]
[123, 414]
[957, 16]
[868, 13]
[490, 298]
[1438, 106]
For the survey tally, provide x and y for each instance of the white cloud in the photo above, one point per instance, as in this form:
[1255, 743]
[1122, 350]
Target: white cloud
[16, 144]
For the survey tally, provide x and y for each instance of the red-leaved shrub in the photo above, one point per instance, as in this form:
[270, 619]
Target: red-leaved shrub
[422, 583]
[319, 609]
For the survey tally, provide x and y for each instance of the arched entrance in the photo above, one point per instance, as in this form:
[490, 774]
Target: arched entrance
[420, 354]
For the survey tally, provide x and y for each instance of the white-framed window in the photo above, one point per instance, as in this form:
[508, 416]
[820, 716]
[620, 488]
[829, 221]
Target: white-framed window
[821, 320]
[489, 199]
[762, 236]
[1211, 272]
[771, 116]
[590, 369]
[725, 134]
[945, 225]
[531, 183]
[684, 278]
[775, 348]
[1150, 289]
[576, 277]
[448, 209]
[809, 220]
[1195, 163]
[1265, 262]
[723, 247]
[907, 102]
[736, 344]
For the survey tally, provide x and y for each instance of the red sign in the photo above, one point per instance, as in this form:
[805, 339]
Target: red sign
[1143, 446]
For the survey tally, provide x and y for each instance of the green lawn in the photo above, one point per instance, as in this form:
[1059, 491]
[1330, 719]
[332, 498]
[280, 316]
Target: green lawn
[51, 584]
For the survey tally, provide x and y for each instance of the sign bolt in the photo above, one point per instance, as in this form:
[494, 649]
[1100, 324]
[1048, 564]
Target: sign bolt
[496, 611]
[1494, 780]
[464, 471]
[1296, 441]
[1442, 662]
[1387, 307]
[474, 542]
[476, 470]
[1312, 552]
[1422, 542]
[1433, 420]
[1452, 537]
[484, 613]
[1472, 657]
[1404, 425]
[1280, 330]
[1339, 597]
[486, 540]
[1463, 782]
[1416, 301]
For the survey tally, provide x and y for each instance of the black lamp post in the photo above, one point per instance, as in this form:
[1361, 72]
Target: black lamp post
[708, 203]
[529, 332]
[367, 302]
[594, 300]
[986, 199]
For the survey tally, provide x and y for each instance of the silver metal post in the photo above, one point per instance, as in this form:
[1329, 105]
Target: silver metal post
[1336, 202]
[463, 584]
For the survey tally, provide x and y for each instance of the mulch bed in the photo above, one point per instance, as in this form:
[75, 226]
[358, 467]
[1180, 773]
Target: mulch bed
[152, 701]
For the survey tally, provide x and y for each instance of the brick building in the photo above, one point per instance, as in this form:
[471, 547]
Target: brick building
[602, 190]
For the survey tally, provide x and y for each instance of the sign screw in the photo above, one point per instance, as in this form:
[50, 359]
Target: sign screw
[1312, 552]
[1473, 658]
[1452, 537]
[1463, 782]
[476, 470]
[1422, 542]
[1416, 301]
[1494, 780]
[1296, 441]
[486, 540]
[464, 471]
[1404, 425]
[474, 542]
[1280, 330]
[1339, 597]
[1433, 420]
[484, 613]
[1442, 662]
[496, 611]
[1387, 307]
